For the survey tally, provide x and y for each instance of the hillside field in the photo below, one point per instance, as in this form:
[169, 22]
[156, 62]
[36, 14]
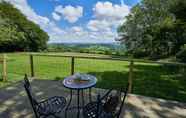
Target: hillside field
[149, 79]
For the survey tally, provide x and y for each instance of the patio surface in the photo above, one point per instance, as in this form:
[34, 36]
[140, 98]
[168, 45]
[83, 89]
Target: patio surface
[14, 102]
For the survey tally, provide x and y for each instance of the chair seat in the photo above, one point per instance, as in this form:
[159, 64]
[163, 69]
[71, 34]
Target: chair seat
[90, 111]
[51, 106]
[110, 106]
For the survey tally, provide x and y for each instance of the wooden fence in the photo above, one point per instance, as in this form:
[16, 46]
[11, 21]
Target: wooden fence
[3, 61]
[131, 66]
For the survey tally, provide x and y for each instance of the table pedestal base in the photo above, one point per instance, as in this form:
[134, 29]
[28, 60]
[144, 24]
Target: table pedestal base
[78, 107]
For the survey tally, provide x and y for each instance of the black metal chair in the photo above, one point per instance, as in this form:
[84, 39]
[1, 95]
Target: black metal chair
[101, 109]
[46, 108]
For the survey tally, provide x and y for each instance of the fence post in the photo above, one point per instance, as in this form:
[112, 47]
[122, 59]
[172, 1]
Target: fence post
[32, 66]
[72, 65]
[130, 76]
[4, 74]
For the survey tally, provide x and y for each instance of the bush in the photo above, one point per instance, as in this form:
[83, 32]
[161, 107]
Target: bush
[81, 51]
[181, 55]
[108, 52]
[84, 51]
[100, 52]
[117, 53]
[140, 54]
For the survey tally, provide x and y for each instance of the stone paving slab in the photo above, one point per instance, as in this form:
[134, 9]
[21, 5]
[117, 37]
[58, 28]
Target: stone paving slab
[14, 102]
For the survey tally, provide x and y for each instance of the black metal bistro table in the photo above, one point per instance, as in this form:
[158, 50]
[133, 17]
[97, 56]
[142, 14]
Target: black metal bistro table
[79, 82]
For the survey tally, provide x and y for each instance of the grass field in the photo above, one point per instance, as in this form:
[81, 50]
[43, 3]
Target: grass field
[154, 80]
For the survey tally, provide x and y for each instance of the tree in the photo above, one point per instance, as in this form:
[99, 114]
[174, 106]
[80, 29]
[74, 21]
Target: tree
[178, 9]
[10, 38]
[17, 33]
[150, 29]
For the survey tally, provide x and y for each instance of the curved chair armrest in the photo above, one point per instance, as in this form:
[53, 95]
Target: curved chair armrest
[106, 94]
[52, 105]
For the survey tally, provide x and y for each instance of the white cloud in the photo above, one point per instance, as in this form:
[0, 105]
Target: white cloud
[98, 25]
[113, 14]
[77, 29]
[56, 16]
[29, 12]
[77, 34]
[109, 11]
[54, 31]
[102, 28]
[58, 8]
[107, 17]
[45, 23]
[99, 29]
[70, 13]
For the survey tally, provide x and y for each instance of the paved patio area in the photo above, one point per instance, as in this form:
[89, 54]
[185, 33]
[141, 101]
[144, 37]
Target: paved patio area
[14, 102]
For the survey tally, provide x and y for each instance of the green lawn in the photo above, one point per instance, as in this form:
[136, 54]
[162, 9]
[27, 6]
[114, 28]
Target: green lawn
[154, 80]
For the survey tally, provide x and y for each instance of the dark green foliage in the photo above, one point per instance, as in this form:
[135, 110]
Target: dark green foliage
[17, 33]
[10, 38]
[155, 28]
[178, 8]
[181, 55]
[107, 52]
[139, 54]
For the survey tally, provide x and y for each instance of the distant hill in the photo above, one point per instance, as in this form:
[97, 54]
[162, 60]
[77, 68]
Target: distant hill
[87, 44]
[104, 48]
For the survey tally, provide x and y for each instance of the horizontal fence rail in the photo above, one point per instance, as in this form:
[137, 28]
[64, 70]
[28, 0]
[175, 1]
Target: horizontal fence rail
[110, 58]
[131, 66]
[149, 78]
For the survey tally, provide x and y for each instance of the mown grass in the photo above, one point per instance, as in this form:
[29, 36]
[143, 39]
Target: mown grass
[154, 80]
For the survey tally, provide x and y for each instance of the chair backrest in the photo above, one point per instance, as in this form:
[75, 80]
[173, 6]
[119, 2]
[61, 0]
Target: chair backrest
[125, 91]
[98, 105]
[28, 90]
[114, 103]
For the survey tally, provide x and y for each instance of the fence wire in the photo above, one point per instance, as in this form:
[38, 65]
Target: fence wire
[17, 66]
[110, 74]
[149, 79]
[55, 68]
[160, 80]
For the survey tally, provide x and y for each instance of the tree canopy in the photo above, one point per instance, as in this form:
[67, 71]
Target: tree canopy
[17, 33]
[155, 28]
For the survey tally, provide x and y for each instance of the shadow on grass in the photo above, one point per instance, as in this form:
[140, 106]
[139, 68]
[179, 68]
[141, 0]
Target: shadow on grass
[58, 78]
[108, 79]
[150, 80]
[111, 79]
[160, 81]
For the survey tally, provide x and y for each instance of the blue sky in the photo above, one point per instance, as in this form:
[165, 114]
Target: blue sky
[78, 21]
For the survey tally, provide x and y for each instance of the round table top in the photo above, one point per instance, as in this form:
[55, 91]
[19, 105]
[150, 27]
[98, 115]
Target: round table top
[86, 81]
